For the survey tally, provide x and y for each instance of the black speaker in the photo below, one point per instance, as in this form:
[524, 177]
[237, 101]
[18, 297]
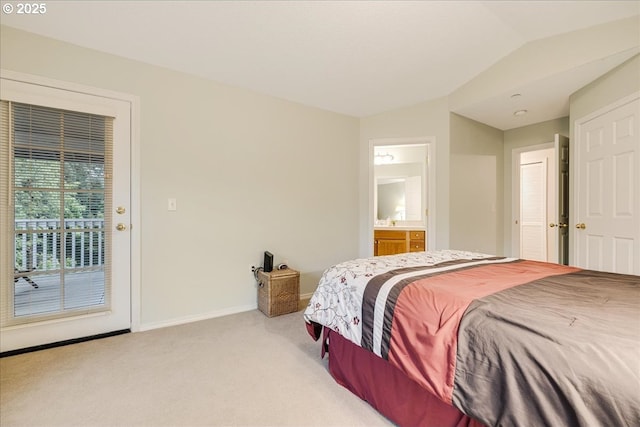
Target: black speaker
[268, 261]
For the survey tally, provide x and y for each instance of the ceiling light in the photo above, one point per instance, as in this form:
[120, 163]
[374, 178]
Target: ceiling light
[520, 113]
[380, 159]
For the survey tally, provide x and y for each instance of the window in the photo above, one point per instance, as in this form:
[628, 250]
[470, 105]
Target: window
[55, 176]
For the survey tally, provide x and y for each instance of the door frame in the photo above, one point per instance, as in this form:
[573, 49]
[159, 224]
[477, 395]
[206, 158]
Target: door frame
[430, 188]
[135, 232]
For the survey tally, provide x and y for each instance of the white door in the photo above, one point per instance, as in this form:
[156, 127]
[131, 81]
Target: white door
[65, 275]
[543, 237]
[538, 206]
[533, 210]
[607, 200]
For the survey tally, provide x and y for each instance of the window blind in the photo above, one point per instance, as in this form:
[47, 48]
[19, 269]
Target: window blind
[56, 187]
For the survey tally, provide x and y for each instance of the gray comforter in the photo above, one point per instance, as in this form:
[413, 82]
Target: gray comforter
[560, 351]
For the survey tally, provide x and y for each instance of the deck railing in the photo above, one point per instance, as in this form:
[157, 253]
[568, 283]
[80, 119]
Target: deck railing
[42, 245]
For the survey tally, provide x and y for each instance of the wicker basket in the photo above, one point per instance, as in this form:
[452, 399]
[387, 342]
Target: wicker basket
[278, 292]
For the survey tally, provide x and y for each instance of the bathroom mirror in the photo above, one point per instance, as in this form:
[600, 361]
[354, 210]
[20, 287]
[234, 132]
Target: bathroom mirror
[399, 179]
[399, 198]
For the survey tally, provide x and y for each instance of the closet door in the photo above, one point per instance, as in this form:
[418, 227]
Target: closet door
[533, 209]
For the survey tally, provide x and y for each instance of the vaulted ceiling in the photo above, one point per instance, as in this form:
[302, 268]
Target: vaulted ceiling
[353, 57]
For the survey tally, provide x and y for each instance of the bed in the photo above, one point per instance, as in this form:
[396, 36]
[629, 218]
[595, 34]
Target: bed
[455, 338]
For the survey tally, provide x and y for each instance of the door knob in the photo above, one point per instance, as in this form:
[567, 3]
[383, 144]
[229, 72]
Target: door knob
[553, 225]
[121, 227]
[562, 225]
[120, 210]
[581, 226]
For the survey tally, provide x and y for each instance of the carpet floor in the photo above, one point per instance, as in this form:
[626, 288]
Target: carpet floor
[239, 370]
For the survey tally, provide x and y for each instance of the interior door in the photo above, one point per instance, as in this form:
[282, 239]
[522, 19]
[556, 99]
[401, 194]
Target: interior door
[607, 228]
[533, 208]
[540, 209]
[539, 237]
[65, 195]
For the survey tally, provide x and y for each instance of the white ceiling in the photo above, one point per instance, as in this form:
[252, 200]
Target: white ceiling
[352, 57]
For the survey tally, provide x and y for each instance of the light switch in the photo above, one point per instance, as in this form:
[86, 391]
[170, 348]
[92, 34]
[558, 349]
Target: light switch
[172, 205]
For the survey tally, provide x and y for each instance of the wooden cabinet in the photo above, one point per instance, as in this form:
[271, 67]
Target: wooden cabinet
[416, 241]
[390, 242]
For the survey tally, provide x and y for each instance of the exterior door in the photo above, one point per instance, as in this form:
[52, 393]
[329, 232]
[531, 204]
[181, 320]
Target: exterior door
[65, 203]
[607, 221]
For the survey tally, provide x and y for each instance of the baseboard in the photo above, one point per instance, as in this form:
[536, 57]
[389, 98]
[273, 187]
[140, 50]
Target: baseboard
[206, 316]
[196, 318]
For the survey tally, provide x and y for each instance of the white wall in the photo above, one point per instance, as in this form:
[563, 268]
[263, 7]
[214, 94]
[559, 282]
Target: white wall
[476, 186]
[250, 173]
[616, 84]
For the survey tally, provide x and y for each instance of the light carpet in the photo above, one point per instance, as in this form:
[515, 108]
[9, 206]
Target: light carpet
[239, 370]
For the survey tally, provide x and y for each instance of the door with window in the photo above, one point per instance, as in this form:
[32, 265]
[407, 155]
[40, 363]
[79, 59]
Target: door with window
[64, 214]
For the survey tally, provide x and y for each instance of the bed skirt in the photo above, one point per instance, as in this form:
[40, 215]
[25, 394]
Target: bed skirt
[387, 389]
